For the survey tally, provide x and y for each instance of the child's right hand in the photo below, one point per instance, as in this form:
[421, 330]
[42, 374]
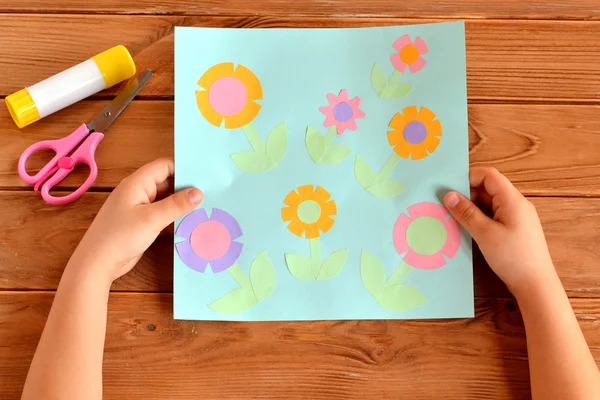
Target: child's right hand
[513, 242]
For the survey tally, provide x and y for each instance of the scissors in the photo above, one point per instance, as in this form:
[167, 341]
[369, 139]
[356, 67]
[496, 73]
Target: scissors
[78, 148]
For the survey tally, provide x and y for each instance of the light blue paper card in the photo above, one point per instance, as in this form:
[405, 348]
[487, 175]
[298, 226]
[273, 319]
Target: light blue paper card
[323, 155]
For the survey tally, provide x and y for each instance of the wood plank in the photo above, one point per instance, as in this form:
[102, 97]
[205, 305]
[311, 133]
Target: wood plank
[535, 9]
[36, 241]
[483, 358]
[527, 142]
[480, 358]
[507, 60]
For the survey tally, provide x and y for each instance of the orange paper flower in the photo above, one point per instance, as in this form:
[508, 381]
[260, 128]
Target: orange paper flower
[415, 133]
[309, 211]
[229, 94]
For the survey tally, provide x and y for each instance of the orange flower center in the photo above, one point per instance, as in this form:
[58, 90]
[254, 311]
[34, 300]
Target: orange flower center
[409, 54]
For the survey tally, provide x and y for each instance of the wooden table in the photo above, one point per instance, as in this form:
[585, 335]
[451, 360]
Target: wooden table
[534, 92]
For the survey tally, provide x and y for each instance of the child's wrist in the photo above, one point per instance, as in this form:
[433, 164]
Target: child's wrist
[538, 288]
[81, 268]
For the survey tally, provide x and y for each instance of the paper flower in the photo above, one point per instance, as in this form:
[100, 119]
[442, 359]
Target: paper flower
[309, 210]
[229, 94]
[409, 54]
[415, 133]
[342, 112]
[209, 241]
[426, 236]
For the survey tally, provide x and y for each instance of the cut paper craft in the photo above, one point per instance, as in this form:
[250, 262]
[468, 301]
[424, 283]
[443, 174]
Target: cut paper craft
[321, 157]
[342, 112]
[209, 241]
[229, 94]
[408, 55]
[426, 235]
[309, 212]
[415, 134]
[252, 290]
[391, 293]
[321, 149]
[264, 156]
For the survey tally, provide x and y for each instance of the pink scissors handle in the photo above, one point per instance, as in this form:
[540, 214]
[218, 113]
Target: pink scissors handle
[61, 147]
[83, 155]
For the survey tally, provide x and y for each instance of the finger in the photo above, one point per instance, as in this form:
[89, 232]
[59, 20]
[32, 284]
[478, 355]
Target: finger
[164, 189]
[492, 181]
[494, 188]
[166, 211]
[469, 215]
[145, 181]
[480, 196]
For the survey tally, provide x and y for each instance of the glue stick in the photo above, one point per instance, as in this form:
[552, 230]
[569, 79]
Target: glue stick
[70, 86]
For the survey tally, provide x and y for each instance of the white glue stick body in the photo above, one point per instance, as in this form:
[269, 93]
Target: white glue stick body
[70, 86]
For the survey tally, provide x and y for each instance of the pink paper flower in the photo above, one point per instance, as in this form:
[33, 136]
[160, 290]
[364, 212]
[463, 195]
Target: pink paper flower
[426, 236]
[342, 112]
[409, 54]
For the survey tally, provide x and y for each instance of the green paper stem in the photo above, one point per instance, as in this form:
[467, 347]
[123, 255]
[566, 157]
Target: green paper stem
[399, 275]
[315, 255]
[395, 76]
[331, 133]
[387, 168]
[236, 272]
[253, 137]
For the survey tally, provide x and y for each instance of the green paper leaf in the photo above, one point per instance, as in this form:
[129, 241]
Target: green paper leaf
[335, 153]
[386, 189]
[234, 302]
[262, 276]
[378, 79]
[364, 174]
[333, 264]
[300, 266]
[396, 90]
[372, 273]
[277, 143]
[399, 275]
[252, 162]
[401, 298]
[315, 144]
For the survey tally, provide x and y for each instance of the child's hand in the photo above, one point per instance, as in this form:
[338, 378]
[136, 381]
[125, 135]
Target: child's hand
[513, 241]
[130, 220]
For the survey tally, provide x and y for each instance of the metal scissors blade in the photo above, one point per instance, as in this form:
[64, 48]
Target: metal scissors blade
[107, 116]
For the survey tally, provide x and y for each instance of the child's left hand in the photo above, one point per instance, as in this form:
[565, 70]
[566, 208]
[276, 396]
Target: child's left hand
[130, 220]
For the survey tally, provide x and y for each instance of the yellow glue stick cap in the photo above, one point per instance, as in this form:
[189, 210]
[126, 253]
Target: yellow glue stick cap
[116, 65]
[22, 109]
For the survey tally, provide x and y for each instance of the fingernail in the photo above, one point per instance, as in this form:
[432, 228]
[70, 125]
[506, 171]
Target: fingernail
[195, 196]
[451, 200]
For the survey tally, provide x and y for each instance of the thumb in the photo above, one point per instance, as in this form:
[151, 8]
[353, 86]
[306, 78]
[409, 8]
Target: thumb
[167, 210]
[468, 215]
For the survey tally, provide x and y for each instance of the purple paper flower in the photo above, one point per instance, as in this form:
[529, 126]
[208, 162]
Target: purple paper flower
[209, 241]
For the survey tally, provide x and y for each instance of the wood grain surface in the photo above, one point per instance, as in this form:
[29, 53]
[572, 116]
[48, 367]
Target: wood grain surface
[466, 9]
[546, 150]
[542, 61]
[533, 72]
[148, 355]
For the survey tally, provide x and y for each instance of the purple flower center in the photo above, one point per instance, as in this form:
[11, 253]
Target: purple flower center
[415, 132]
[342, 112]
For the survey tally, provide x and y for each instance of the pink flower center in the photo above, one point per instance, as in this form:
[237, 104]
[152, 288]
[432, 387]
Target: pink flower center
[210, 240]
[228, 96]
